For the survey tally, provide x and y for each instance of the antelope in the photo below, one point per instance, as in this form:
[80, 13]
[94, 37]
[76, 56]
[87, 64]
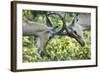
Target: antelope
[40, 31]
[79, 24]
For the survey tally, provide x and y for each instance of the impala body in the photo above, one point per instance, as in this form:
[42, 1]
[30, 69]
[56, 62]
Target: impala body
[40, 31]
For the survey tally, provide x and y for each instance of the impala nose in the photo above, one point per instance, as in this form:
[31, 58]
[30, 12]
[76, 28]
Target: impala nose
[77, 37]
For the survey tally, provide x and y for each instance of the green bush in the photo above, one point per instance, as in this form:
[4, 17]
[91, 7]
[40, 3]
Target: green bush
[58, 49]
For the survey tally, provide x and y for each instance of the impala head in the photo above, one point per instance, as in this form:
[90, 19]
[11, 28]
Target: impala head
[75, 31]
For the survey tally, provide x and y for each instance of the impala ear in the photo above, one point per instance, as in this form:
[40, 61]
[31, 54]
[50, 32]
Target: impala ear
[74, 21]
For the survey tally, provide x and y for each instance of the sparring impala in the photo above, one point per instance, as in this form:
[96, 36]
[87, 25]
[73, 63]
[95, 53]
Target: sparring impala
[80, 23]
[40, 31]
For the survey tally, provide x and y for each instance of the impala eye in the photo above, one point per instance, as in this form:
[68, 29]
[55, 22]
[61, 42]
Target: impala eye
[75, 32]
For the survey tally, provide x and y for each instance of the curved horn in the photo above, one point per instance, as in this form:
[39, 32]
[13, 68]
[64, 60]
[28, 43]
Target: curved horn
[49, 23]
[63, 20]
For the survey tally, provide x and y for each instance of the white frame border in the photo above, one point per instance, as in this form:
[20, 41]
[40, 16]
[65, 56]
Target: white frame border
[50, 64]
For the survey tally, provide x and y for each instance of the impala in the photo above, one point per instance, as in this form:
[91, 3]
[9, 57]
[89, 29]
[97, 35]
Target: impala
[80, 24]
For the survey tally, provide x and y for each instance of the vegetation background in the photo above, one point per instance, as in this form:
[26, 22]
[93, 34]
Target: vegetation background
[59, 48]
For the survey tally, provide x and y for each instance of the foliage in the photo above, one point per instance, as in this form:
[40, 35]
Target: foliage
[59, 48]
